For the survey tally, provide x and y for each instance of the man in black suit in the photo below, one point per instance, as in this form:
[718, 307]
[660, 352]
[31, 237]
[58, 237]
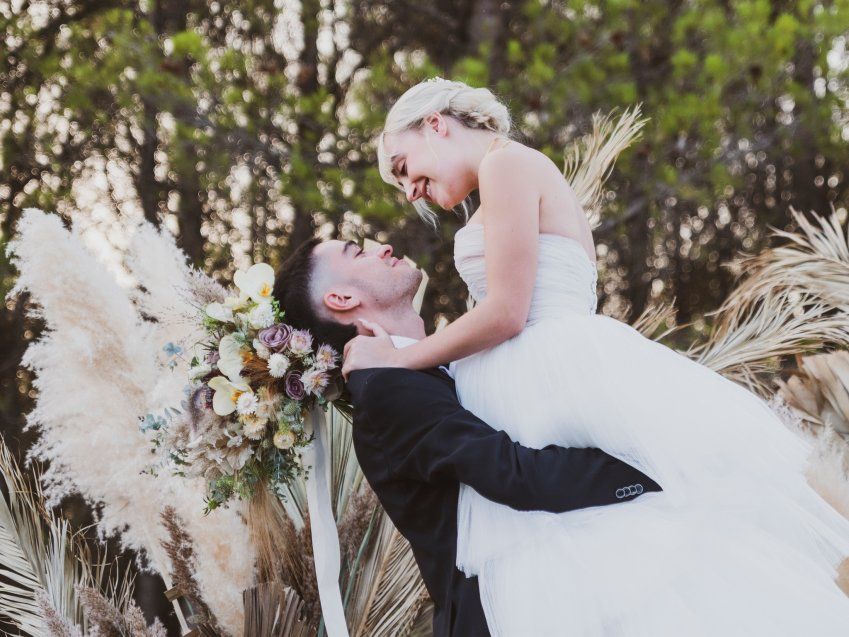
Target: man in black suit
[413, 439]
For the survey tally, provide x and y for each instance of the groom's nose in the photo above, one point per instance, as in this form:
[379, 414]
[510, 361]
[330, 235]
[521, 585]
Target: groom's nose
[384, 251]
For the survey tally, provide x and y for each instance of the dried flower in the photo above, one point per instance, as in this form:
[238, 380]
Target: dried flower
[247, 403]
[314, 380]
[284, 439]
[301, 342]
[261, 316]
[261, 350]
[326, 358]
[278, 364]
[254, 426]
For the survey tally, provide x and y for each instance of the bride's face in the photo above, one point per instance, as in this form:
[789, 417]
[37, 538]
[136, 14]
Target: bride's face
[428, 164]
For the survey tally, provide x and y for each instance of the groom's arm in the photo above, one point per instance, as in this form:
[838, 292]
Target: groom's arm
[427, 435]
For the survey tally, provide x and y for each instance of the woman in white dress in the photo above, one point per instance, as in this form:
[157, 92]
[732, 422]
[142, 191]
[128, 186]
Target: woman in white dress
[736, 544]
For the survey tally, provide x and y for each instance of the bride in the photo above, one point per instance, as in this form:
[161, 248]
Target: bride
[737, 543]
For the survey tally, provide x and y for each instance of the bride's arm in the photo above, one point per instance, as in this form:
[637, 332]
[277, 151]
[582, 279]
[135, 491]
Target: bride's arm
[510, 198]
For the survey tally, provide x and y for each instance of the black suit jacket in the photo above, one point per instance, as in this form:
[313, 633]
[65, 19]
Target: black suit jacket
[416, 444]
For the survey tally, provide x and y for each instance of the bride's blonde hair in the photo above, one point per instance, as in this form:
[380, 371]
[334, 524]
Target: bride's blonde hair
[473, 107]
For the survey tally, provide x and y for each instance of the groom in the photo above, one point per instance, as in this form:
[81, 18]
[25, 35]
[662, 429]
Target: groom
[415, 442]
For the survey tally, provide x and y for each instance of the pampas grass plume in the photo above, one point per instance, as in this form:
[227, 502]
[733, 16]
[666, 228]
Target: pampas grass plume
[98, 369]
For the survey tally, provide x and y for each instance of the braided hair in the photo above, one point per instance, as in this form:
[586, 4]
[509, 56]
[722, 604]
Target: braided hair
[473, 107]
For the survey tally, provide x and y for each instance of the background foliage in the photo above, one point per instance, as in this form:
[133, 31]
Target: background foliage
[245, 127]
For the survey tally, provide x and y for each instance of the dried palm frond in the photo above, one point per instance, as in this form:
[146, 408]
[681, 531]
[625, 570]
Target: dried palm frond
[654, 318]
[381, 581]
[345, 474]
[273, 610]
[819, 390]
[748, 341]
[43, 564]
[793, 301]
[423, 626]
[388, 592]
[814, 261]
[37, 562]
[590, 159]
[294, 551]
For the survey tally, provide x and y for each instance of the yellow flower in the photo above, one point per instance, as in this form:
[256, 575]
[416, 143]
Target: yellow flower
[284, 439]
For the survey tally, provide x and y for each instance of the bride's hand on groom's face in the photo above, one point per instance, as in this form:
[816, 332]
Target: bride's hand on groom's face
[365, 352]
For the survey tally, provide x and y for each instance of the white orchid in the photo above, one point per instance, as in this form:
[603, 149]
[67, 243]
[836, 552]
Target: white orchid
[219, 312]
[257, 282]
[231, 353]
[227, 394]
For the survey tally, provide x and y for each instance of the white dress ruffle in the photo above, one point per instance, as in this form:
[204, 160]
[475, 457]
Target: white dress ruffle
[737, 543]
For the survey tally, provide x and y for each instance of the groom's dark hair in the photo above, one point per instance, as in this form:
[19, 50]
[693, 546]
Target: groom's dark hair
[292, 290]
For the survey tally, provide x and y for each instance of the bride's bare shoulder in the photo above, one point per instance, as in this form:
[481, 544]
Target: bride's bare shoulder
[516, 160]
[515, 156]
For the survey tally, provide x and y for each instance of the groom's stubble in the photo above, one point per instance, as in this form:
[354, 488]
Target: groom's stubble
[386, 293]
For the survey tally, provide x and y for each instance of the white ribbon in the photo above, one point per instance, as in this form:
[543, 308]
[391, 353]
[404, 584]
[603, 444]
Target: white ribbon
[325, 539]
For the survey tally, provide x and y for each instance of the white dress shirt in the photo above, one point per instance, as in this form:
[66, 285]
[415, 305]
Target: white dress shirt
[405, 341]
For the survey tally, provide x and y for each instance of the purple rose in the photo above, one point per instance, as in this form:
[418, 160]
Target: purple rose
[276, 337]
[212, 357]
[294, 386]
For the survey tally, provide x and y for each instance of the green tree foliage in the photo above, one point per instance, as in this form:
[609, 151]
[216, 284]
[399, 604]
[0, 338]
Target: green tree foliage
[250, 125]
[247, 126]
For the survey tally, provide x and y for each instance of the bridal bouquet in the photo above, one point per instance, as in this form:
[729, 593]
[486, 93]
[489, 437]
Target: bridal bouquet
[251, 383]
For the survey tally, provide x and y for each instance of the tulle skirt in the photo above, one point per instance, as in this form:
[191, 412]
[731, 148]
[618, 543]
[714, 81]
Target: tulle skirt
[736, 544]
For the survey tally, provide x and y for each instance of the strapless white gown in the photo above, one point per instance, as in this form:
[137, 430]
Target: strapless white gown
[736, 544]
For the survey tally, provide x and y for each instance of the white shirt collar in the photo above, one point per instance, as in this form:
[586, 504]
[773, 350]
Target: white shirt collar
[402, 341]
[405, 341]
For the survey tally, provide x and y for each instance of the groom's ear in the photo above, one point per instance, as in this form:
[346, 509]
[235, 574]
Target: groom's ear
[341, 301]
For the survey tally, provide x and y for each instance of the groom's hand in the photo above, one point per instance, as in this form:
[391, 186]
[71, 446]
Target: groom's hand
[366, 352]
